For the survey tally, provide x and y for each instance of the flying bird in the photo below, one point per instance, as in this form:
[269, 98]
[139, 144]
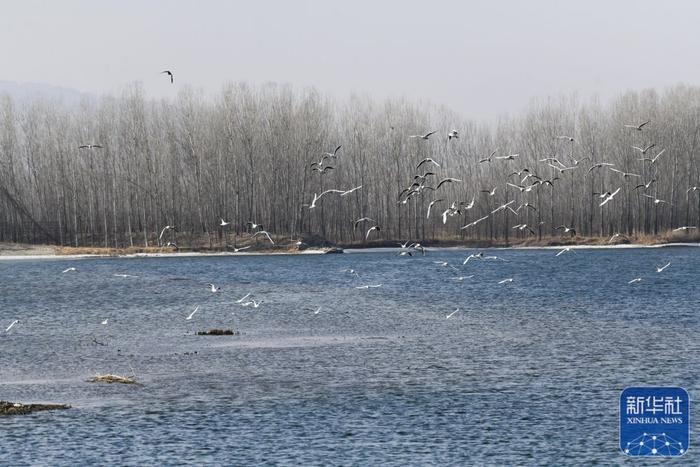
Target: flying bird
[646, 185]
[471, 224]
[609, 197]
[653, 159]
[450, 315]
[360, 220]
[661, 269]
[352, 190]
[488, 159]
[89, 146]
[565, 250]
[213, 288]
[68, 270]
[656, 200]
[506, 280]
[637, 127]
[566, 229]
[684, 228]
[568, 138]
[427, 160]
[11, 325]
[452, 134]
[425, 136]
[599, 165]
[223, 223]
[263, 232]
[491, 193]
[191, 315]
[334, 153]
[432, 203]
[624, 174]
[374, 227]
[637, 279]
[644, 149]
[240, 300]
[169, 73]
[447, 180]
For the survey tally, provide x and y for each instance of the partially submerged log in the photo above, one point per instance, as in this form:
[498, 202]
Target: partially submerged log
[15, 408]
[112, 379]
[218, 332]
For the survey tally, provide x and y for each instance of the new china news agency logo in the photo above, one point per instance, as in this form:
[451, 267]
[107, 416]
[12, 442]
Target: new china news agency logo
[654, 421]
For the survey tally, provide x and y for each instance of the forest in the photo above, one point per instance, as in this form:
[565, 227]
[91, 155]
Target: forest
[251, 154]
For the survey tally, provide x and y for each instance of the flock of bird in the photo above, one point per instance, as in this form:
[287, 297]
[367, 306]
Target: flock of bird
[527, 181]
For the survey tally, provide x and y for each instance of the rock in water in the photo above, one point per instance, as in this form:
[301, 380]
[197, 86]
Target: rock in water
[15, 408]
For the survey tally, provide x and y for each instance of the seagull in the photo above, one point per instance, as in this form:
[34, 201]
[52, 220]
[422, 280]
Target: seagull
[609, 197]
[318, 310]
[661, 269]
[452, 134]
[361, 219]
[374, 227]
[625, 174]
[473, 256]
[491, 193]
[240, 300]
[193, 312]
[167, 227]
[656, 200]
[263, 232]
[461, 278]
[425, 136]
[368, 286]
[450, 315]
[252, 302]
[213, 288]
[488, 159]
[426, 161]
[638, 279]
[653, 160]
[643, 150]
[684, 228]
[334, 153]
[347, 192]
[253, 225]
[105, 321]
[561, 169]
[599, 165]
[509, 157]
[563, 251]
[692, 188]
[169, 73]
[11, 324]
[526, 205]
[68, 270]
[237, 249]
[502, 207]
[431, 205]
[566, 229]
[317, 197]
[90, 146]
[471, 224]
[638, 127]
[568, 138]
[646, 185]
[223, 223]
[471, 203]
[124, 275]
[506, 280]
[614, 236]
[323, 170]
[447, 180]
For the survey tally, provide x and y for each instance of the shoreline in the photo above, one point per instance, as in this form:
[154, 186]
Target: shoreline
[43, 252]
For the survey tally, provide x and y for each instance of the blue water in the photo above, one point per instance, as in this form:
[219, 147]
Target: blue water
[525, 373]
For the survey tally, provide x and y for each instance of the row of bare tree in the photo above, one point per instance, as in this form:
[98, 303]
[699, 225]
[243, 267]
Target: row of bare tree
[246, 155]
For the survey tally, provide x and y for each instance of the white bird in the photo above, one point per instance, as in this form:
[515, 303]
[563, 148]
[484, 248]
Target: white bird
[614, 236]
[124, 275]
[90, 146]
[450, 315]
[637, 127]
[11, 325]
[509, 157]
[263, 232]
[599, 165]
[447, 180]
[318, 197]
[661, 269]
[488, 159]
[68, 270]
[473, 256]
[566, 229]
[684, 228]
[237, 249]
[240, 300]
[645, 149]
[432, 203]
[609, 197]
[461, 278]
[502, 207]
[693, 189]
[427, 160]
[374, 227]
[491, 193]
[167, 227]
[625, 174]
[471, 224]
[638, 279]
[213, 288]
[105, 321]
[347, 192]
[361, 219]
[253, 303]
[471, 203]
[563, 251]
[653, 160]
[452, 134]
[656, 200]
[318, 310]
[334, 153]
[505, 280]
[193, 312]
[223, 223]
[568, 138]
[425, 136]
[368, 286]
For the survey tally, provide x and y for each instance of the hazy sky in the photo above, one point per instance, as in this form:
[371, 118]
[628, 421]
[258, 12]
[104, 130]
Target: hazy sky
[481, 58]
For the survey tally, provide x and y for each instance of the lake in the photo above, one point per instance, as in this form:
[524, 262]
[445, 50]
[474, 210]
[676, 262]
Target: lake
[527, 372]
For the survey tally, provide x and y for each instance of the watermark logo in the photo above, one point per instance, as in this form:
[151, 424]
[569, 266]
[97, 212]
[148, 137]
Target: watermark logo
[654, 421]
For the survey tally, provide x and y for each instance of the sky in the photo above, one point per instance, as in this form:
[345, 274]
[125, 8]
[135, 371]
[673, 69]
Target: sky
[482, 59]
